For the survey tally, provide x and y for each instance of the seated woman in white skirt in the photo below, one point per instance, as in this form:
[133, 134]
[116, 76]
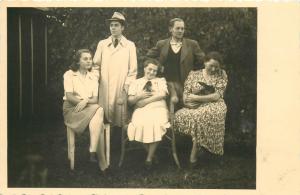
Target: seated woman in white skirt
[80, 108]
[150, 117]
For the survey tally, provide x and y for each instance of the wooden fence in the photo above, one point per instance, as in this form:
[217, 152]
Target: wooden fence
[27, 63]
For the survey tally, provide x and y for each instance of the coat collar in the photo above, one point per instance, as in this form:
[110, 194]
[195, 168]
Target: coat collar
[184, 49]
[173, 42]
[109, 41]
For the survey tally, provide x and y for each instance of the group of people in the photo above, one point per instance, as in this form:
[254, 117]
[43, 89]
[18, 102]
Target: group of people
[94, 85]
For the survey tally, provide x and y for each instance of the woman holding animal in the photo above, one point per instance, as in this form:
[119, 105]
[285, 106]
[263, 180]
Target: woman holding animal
[150, 117]
[203, 115]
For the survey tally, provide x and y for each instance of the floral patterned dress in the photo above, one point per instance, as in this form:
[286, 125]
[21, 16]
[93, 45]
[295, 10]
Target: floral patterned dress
[206, 124]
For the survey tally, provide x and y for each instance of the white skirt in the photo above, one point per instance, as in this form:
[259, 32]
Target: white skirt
[150, 123]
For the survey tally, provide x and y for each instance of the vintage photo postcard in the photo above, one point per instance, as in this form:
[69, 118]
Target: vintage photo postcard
[150, 97]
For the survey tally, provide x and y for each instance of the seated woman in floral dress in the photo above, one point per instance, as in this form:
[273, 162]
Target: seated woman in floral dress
[203, 115]
[150, 117]
[80, 107]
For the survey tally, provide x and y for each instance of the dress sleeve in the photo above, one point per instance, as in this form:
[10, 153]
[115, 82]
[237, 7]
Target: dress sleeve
[162, 85]
[68, 84]
[132, 88]
[222, 83]
[188, 83]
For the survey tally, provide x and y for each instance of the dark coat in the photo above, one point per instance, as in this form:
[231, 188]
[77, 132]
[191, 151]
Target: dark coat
[191, 55]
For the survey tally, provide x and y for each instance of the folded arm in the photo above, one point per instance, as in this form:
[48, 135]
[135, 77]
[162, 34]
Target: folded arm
[193, 101]
[75, 100]
[155, 97]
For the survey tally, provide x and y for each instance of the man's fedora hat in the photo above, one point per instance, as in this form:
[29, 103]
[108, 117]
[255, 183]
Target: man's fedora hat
[117, 17]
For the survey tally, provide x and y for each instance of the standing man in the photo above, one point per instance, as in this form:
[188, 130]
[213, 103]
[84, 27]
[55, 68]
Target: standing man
[177, 55]
[115, 63]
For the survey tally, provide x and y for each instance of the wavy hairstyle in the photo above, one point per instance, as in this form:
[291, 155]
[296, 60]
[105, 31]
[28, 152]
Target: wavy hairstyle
[76, 57]
[155, 62]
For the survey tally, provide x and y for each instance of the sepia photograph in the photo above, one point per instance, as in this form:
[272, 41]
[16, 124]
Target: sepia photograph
[128, 97]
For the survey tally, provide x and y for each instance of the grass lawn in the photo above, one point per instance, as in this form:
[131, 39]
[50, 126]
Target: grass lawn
[235, 170]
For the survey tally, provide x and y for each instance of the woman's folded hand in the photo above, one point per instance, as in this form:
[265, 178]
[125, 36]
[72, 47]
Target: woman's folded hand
[144, 95]
[191, 98]
[81, 105]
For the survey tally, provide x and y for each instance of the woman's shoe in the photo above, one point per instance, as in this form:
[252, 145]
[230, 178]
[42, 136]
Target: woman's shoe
[93, 157]
[193, 165]
[106, 172]
[148, 165]
[155, 160]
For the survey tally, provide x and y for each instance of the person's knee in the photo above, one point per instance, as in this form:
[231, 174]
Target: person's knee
[95, 106]
[100, 113]
[94, 128]
[96, 121]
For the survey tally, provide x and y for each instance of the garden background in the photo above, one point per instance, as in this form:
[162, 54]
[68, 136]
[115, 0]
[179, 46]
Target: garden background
[231, 31]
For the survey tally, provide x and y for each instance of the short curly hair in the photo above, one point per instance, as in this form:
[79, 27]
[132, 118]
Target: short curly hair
[151, 61]
[155, 62]
[215, 56]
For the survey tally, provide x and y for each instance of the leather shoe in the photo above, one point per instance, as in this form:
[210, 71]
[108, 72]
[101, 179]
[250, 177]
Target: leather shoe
[155, 160]
[93, 157]
[148, 165]
[106, 172]
[193, 165]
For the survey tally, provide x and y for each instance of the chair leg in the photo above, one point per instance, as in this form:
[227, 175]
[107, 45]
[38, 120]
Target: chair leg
[107, 141]
[174, 152]
[68, 140]
[72, 148]
[123, 144]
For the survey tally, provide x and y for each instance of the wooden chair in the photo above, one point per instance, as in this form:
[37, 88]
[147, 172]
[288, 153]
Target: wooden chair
[170, 135]
[71, 145]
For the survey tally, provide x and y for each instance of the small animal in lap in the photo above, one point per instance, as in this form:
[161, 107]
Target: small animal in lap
[148, 87]
[205, 89]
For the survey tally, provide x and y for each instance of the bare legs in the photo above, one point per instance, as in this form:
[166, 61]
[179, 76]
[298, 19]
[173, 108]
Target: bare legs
[95, 127]
[97, 143]
[102, 159]
[151, 148]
